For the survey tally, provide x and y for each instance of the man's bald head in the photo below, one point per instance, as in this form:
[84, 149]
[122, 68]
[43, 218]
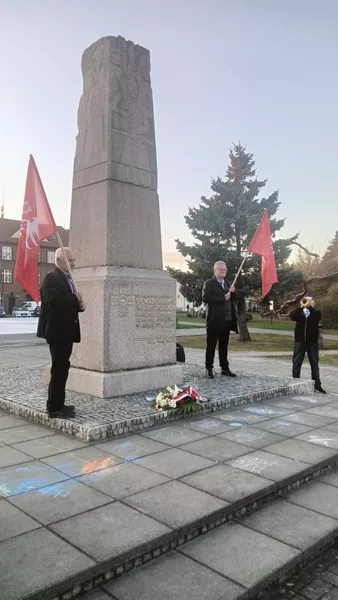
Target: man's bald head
[60, 259]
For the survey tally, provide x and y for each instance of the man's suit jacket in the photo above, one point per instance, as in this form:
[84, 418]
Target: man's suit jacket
[59, 317]
[214, 297]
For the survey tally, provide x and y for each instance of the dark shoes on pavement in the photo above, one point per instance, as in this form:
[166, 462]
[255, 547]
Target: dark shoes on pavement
[63, 413]
[319, 389]
[228, 373]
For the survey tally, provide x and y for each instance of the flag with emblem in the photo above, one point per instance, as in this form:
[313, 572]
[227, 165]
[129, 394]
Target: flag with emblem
[261, 244]
[37, 224]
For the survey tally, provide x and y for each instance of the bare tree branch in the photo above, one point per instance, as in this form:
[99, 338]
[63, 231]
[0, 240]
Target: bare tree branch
[299, 296]
[316, 256]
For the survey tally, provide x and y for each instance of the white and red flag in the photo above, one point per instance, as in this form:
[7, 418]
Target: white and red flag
[37, 224]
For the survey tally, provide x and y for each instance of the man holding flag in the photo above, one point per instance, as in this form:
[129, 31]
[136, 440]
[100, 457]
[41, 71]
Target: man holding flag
[218, 295]
[61, 303]
[59, 325]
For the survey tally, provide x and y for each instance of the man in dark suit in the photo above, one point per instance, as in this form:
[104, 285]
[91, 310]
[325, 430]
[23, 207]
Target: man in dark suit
[307, 320]
[218, 295]
[59, 325]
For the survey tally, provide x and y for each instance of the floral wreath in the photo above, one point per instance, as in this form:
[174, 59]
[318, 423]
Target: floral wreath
[186, 399]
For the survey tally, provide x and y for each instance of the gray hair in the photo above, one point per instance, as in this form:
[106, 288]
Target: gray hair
[218, 263]
[59, 254]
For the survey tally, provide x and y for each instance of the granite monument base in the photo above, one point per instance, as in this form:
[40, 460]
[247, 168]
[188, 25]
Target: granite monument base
[128, 332]
[123, 383]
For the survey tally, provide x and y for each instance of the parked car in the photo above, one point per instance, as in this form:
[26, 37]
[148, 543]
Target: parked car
[21, 312]
[2, 312]
[25, 307]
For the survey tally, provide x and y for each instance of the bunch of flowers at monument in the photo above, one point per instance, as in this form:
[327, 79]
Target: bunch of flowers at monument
[187, 400]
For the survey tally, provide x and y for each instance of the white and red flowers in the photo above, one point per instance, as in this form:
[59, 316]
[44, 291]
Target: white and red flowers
[175, 397]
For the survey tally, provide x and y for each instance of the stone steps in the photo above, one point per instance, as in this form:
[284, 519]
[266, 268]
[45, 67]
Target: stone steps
[241, 559]
[235, 524]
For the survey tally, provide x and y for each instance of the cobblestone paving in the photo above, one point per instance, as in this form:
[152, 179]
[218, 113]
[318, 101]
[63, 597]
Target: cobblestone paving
[319, 581]
[25, 387]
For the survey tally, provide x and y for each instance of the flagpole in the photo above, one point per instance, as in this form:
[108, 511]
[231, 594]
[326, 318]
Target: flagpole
[240, 268]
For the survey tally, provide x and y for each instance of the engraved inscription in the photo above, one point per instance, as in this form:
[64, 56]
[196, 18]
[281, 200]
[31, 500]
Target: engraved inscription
[155, 313]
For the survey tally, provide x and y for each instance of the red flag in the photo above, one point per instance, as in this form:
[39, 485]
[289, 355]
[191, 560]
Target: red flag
[36, 225]
[261, 244]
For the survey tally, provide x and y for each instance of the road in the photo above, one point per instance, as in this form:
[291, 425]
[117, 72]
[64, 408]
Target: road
[18, 326]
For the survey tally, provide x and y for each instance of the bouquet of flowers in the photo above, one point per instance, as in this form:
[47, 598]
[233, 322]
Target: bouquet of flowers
[186, 399]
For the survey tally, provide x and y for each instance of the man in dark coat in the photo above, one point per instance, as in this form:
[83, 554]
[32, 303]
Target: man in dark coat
[221, 318]
[59, 325]
[307, 320]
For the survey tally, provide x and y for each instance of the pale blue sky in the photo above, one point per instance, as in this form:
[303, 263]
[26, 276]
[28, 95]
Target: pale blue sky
[260, 71]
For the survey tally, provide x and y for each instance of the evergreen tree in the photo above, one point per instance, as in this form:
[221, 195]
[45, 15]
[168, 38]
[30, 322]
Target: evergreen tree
[223, 226]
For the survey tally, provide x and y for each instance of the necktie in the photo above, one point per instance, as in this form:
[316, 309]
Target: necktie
[70, 283]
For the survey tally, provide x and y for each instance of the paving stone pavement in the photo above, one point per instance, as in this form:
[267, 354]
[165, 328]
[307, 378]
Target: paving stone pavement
[87, 501]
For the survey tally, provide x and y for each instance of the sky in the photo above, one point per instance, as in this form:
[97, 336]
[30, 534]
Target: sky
[260, 71]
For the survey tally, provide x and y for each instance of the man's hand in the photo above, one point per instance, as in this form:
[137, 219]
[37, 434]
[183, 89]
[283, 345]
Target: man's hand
[81, 303]
[232, 289]
[227, 296]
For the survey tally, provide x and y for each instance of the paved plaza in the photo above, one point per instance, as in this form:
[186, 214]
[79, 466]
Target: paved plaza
[78, 514]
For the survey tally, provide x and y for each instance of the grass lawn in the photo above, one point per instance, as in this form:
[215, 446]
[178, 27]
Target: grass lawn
[187, 325]
[261, 342]
[256, 321]
[184, 319]
[328, 360]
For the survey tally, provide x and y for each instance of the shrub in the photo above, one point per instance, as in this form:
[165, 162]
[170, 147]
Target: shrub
[328, 305]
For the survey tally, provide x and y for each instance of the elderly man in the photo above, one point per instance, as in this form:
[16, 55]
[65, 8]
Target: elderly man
[218, 295]
[59, 325]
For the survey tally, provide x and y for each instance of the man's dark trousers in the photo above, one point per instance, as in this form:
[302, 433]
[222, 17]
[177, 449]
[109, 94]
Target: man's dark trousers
[60, 353]
[299, 351]
[220, 335]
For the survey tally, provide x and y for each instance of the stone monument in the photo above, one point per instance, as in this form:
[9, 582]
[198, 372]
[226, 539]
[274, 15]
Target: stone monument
[129, 327]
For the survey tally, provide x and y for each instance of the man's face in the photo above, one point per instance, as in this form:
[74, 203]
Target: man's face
[62, 264]
[220, 271]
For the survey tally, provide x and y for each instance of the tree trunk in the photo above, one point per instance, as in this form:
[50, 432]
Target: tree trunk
[244, 335]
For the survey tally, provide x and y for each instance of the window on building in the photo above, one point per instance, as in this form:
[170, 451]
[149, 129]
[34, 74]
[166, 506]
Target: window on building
[39, 278]
[6, 276]
[50, 256]
[39, 257]
[6, 253]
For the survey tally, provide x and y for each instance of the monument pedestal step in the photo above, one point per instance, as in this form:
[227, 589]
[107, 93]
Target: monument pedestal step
[24, 393]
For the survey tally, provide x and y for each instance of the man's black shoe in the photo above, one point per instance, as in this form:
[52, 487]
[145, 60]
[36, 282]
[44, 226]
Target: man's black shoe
[319, 389]
[63, 413]
[210, 374]
[228, 373]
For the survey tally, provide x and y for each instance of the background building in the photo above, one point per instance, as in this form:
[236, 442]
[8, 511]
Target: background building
[11, 292]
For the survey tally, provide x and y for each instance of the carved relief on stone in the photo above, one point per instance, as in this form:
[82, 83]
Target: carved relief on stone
[92, 139]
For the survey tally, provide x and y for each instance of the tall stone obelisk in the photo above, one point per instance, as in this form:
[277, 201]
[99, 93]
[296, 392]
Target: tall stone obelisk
[129, 326]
